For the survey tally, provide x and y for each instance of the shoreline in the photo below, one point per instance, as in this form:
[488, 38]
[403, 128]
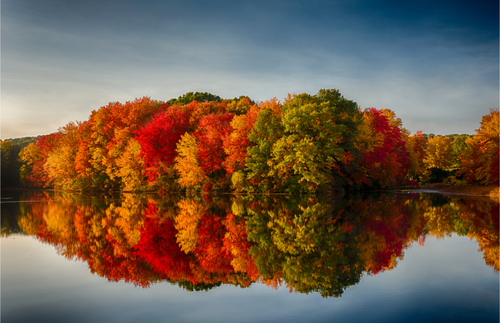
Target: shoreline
[492, 192]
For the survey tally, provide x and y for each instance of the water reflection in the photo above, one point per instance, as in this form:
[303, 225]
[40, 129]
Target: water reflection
[307, 245]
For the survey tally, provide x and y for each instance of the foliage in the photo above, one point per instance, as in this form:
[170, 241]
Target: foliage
[307, 244]
[11, 164]
[196, 96]
[302, 145]
[266, 131]
[237, 143]
[416, 145]
[314, 136]
[439, 152]
[187, 164]
[480, 159]
[307, 144]
[213, 130]
[34, 156]
[60, 164]
[158, 140]
[458, 146]
[385, 160]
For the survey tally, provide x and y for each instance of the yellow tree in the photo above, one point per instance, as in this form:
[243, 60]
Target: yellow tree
[415, 145]
[186, 223]
[186, 162]
[439, 152]
[130, 167]
[60, 163]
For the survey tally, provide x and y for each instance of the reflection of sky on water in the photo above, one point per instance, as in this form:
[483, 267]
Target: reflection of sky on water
[444, 280]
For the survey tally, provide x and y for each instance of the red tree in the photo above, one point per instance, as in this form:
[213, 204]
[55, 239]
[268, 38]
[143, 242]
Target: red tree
[158, 140]
[213, 130]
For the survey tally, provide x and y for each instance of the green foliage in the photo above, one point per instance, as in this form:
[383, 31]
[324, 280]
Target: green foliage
[196, 96]
[458, 145]
[300, 146]
[266, 132]
[238, 180]
[11, 164]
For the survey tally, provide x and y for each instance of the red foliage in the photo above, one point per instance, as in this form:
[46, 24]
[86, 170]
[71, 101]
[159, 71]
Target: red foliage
[158, 246]
[159, 137]
[237, 143]
[213, 130]
[389, 160]
[209, 249]
[38, 177]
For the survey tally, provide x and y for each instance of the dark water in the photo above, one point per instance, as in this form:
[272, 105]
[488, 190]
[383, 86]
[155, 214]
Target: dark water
[144, 258]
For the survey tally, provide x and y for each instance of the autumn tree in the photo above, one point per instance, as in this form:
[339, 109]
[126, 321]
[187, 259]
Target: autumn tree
[11, 164]
[415, 146]
[314, 138]
[384, 158]
[34, 156]
[237, 143]
[110, 129]
[131, 167]
[60, 163]
[196, 96]
[266, 131]
[240, 106]
[458, 146]
[480, 158]
[187, 163]
[158, 140]
[308, 141]
[439, 152]
[213, 130]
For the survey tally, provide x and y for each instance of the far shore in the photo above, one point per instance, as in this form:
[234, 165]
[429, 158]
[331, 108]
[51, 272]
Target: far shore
[492, 192]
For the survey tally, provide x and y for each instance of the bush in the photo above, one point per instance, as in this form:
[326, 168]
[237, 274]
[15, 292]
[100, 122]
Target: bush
[452, 180]
[438, 175]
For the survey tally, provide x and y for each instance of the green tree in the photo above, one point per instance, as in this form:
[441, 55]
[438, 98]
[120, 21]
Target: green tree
[302, 146]
[459, 144]
[11, 164]
[196, 96]
[266, 131]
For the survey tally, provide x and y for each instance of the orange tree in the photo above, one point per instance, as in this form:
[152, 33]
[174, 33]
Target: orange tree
[480, 158]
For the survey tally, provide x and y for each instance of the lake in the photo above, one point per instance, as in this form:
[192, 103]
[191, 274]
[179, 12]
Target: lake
[395, 257]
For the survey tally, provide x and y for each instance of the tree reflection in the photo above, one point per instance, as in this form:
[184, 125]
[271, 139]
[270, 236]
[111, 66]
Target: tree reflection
[307, 245]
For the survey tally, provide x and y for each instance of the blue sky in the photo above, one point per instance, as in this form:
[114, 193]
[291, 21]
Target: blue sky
[434, 63]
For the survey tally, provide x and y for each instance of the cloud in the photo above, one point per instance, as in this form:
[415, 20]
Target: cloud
[66, 57]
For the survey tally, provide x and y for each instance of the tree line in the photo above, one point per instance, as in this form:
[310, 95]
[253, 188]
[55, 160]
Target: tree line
[201, 142]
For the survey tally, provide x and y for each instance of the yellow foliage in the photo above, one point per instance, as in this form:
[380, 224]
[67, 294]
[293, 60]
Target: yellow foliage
[367, 140]
[439, 152]
[186, 223]
[130, 166]
[186, 162]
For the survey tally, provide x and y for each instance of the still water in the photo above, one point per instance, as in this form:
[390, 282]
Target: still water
[145, 258]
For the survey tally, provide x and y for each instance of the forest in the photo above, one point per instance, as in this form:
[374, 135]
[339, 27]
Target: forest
[199, 142]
